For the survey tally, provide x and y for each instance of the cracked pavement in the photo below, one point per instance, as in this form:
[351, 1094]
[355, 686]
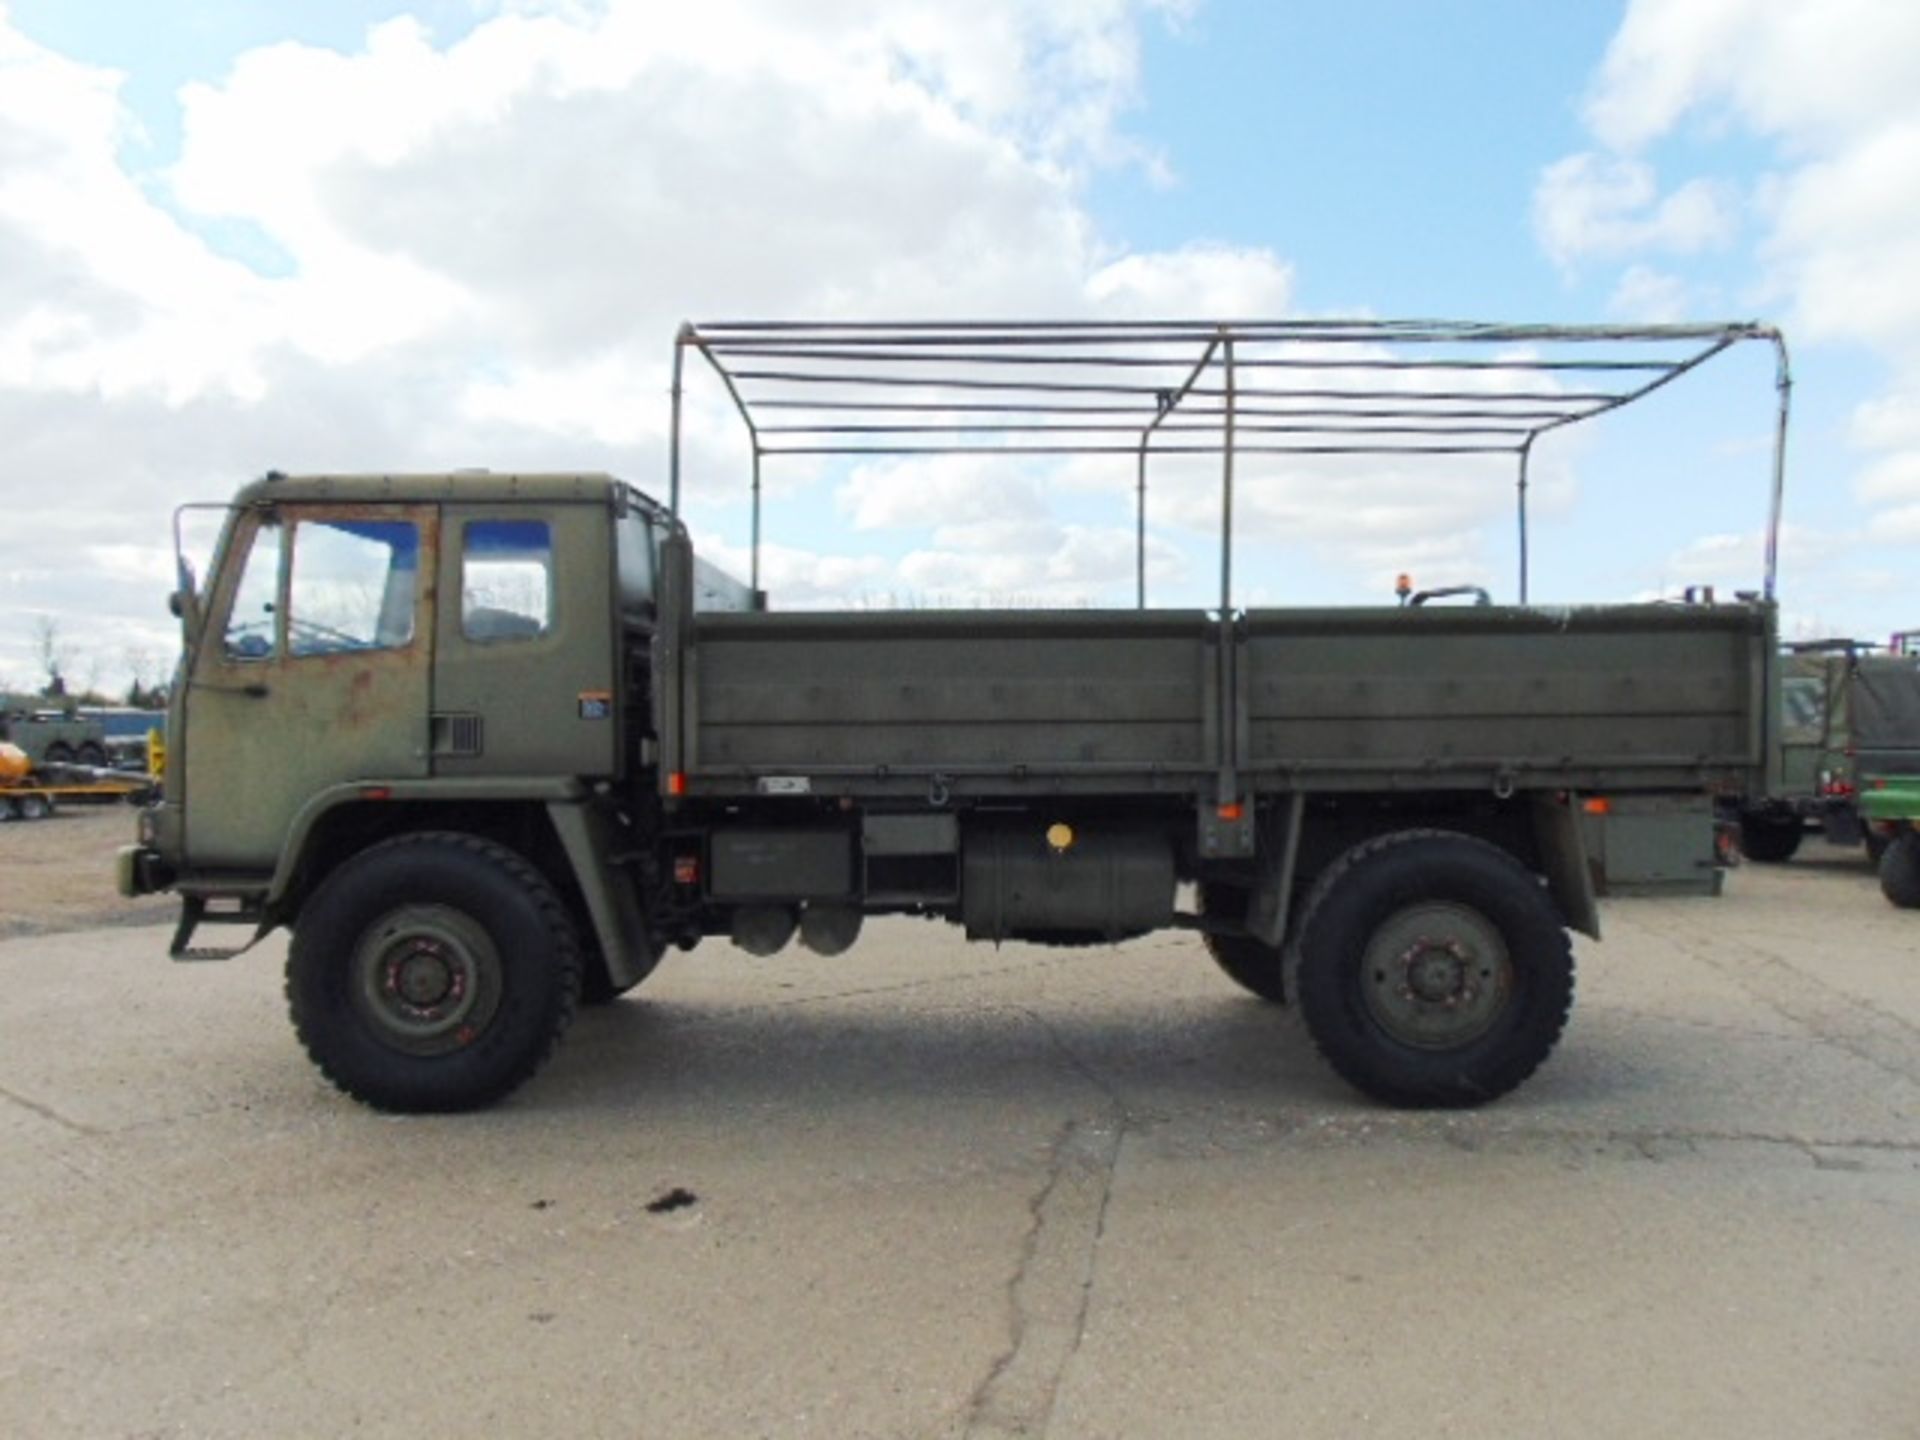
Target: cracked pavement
[946, 1191]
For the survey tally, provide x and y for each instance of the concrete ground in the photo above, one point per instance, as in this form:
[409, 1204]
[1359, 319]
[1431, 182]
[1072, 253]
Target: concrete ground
[933, 1190]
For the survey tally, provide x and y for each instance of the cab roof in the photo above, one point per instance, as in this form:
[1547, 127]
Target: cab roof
[486, 486]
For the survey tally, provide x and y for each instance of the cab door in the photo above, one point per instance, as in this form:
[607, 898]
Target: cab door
[314, 671]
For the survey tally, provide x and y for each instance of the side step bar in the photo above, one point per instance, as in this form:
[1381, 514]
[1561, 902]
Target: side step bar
[195, 912]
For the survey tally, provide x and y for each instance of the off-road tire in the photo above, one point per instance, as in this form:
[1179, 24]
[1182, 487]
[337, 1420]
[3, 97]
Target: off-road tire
[59, 753]
[1256, 968]
[1770, 839]
[520, 944]
[1900, 871]
[1396, 880]
[93, 755]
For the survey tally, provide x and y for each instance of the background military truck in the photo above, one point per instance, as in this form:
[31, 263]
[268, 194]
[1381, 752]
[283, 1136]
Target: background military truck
[1838, 699]
[54, 737]
[490, 744]
[1889, 770]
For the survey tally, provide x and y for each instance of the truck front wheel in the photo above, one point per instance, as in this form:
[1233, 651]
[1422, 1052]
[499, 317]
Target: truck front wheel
[1900, 871]
[1434, 969]
[433, 972]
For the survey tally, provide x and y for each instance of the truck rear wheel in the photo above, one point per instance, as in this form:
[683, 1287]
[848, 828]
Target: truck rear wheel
[1900, 871]
[1768, 838]
[433, 972]
[1256, 968]
[1434, 969]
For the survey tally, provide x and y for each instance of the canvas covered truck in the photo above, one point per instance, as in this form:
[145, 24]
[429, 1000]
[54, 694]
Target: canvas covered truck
[1888, 765]
[490, 745]
[1840, 701]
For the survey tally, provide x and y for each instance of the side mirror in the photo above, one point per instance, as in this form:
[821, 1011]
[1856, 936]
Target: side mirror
[184, 602]
[185, 606]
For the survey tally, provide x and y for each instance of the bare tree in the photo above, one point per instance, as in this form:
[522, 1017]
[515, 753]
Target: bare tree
[143, 666]
[54, 651]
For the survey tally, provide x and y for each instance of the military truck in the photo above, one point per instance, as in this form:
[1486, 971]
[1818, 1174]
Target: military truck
[1889, 768]
[55, 737]
[489, 745]
[1839, 699]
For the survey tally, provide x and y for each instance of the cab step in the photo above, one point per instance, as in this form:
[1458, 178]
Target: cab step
[195, 911]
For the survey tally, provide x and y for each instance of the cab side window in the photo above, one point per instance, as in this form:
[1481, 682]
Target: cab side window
[353, 587]
[250, 633]
[506, 580]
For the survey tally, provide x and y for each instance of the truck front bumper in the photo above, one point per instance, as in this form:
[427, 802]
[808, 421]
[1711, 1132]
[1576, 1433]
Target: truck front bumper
[139, 870]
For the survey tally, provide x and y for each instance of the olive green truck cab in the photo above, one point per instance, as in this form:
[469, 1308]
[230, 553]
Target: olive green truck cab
[489, 745]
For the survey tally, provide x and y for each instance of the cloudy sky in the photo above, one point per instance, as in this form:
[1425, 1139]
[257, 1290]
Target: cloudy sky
[374, 234]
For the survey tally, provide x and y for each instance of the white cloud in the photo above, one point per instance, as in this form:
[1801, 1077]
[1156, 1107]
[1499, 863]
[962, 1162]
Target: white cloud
[489, 245]
[1649, 295]
[100, 291]
[954, 490]
[1889, 421]
[803, 579]
[1830, 88]
[1846, 241]
[1900, 525]
[1599, 206]
[1810, 73]
[1893, 477]
[1078, 566]
[1200, 281]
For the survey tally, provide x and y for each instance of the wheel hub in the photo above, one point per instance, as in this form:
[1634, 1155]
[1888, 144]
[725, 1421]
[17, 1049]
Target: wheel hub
[426, 979]
[1438, 972]
[1436, 975]
[423, 977]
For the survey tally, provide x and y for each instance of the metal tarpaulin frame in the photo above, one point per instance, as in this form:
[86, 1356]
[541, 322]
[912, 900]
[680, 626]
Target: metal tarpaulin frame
[1196, 387]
